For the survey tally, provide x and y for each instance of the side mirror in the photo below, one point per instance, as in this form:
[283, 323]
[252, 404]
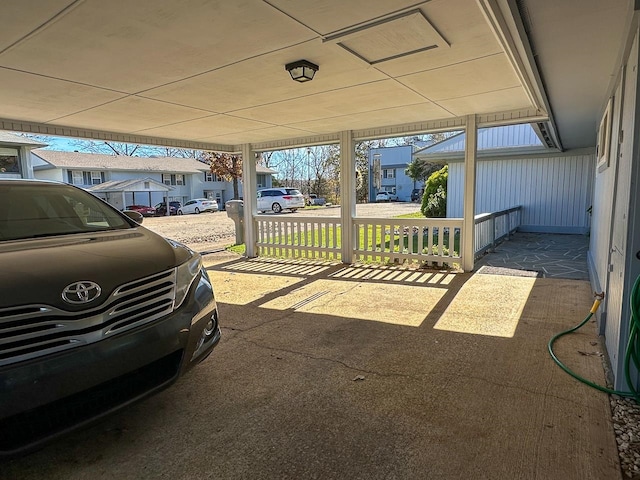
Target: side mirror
[135, 216]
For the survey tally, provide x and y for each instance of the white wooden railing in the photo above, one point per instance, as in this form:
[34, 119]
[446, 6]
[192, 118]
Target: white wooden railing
[298, 237]
[492, 228]
[414, 240]
[432, 241]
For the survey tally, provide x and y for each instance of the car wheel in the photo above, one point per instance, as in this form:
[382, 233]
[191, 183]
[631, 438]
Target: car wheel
[179, 212]
[276, 208]
[197, 210]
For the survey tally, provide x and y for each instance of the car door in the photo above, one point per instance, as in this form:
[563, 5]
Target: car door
[189, 207]
[262, 200]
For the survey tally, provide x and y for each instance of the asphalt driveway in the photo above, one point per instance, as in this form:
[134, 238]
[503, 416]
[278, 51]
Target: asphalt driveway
[337, 372]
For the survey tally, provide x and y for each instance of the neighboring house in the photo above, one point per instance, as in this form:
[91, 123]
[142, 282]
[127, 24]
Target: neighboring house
[15, 158]
[514, 168]
[390, 164]
[123, 180]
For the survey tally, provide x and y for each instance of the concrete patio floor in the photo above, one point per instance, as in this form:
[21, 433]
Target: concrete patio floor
[364, 372]
[552, 255]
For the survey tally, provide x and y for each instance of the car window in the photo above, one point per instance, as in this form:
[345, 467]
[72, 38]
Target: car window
[32, 211]
[293, 191]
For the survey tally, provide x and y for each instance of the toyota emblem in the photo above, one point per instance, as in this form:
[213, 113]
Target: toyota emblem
[81, 292]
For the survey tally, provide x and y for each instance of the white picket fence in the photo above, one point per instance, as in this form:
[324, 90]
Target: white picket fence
[431, 241]
[298, 237]
[434, 240]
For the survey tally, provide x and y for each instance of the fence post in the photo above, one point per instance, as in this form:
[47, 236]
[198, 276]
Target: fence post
[468, 236]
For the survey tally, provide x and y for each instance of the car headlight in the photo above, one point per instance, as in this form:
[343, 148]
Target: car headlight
[185, 276]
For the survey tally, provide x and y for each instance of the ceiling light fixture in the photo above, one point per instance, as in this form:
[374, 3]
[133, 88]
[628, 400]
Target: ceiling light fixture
[302, 70]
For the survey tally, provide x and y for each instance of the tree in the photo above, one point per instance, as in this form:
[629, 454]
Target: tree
[434, 200]
[226, 165]
[420, 170]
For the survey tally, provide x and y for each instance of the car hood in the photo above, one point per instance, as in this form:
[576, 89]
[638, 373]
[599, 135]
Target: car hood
[37, 271]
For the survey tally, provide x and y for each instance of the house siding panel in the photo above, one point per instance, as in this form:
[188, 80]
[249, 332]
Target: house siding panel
[554, 191]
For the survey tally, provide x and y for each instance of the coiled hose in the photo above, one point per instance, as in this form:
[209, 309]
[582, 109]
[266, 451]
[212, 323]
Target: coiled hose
[632, 354]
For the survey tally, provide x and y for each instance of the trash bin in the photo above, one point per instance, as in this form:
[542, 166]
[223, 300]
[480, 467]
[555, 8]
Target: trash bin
[235, 211]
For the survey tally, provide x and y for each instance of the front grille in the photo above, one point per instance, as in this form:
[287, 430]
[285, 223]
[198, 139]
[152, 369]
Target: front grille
[30, 331]
[28, 428]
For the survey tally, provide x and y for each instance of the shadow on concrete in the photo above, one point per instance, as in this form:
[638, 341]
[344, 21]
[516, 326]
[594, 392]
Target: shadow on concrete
[325, 372]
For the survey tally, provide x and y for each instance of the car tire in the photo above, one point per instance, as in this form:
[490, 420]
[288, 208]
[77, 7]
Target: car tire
[276, 208]
[179, 212]
[197, 210]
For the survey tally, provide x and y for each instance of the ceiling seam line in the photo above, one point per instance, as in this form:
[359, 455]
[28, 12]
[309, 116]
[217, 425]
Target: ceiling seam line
[462, 62]
[482, 93]
[50, 77]
[368, 111]
[72, 6]
[268, 125]
[252, 57]
[306, 96]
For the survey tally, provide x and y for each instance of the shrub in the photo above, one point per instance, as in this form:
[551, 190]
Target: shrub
[434, 200]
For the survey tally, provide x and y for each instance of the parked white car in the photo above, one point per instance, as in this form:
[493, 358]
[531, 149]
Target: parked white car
[280, 198]
[386, 197]
[198, 205]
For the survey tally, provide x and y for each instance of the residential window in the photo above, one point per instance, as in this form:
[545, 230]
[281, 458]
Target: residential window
[147, 185]
[179, 179]
[9, 160]
[166, 178]
[96, 178]
[211, 177]
[388, 173]
[77, 178]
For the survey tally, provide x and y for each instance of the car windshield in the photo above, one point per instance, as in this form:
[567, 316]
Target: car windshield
[293, 191]
[43, 210]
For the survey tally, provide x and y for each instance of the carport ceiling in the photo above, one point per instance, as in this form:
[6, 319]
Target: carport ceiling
[212, 72]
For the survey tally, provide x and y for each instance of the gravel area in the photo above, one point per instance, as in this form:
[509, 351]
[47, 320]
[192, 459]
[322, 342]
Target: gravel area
[626, 423]
[207, 231]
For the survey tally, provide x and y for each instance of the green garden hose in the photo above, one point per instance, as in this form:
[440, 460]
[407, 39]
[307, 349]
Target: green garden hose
[633, 346]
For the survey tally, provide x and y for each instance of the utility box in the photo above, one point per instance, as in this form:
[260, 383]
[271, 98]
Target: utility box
[235, 211]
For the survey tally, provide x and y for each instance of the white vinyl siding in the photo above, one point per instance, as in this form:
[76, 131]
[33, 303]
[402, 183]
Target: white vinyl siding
[555, 192]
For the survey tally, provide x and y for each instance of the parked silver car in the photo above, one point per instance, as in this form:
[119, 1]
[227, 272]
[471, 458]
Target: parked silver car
[281, 198]
[198, 205]
[386, 197]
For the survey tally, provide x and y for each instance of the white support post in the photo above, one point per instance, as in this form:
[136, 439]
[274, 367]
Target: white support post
[468, 222]
[347, 194]
[249, 195]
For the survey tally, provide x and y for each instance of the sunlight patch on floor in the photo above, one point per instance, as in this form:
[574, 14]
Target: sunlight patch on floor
[487, 305]
[379, 302]
[243, 288]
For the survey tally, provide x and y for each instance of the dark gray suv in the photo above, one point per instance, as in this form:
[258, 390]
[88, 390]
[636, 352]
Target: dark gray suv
[96, 311]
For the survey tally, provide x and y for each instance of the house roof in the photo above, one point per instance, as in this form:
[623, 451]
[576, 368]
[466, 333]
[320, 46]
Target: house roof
[404, 64]
[7, 138]
[92, 161]
[127, 185]
[508, 139]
